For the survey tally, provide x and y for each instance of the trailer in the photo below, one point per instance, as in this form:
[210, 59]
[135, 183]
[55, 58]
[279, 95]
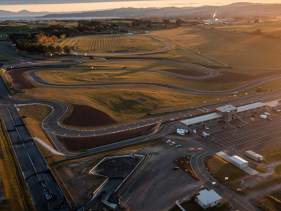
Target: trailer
[254, 155]
[239, 162]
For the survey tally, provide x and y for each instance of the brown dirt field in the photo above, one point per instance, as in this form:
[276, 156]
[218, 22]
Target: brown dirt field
[39, 59]
[184, 164]
[185, 72]
[78, 144]
[229, 77]
[123, 51]
[86, 116]
[21, 82]
[146, 58]
[71, 60]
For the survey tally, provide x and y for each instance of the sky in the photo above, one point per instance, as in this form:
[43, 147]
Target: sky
[87, 5]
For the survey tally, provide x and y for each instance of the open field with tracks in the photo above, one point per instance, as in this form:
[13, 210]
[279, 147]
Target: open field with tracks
[230, 48]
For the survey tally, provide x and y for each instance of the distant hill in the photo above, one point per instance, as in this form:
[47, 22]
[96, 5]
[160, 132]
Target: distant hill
[4, 13]
[232, 10]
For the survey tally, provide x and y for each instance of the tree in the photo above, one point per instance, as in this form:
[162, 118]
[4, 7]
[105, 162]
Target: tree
[59, 49]
[148, 24]
[62, 36]
[67, 49]
[257, 21]
[51, 49]
[178, 22]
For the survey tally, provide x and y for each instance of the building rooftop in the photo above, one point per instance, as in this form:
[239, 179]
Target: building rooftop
[238, 160]
[250, 106]
[226, 108]
[208, 197]
[201, 118]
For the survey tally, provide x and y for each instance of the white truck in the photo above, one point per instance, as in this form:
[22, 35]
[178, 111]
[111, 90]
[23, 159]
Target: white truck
[253, 155]
[182, 132]
[263, 116]
[204, 134]
[266, 113]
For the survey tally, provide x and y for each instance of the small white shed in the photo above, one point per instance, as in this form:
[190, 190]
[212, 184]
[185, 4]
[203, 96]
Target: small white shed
[208, 198]
[239, 162]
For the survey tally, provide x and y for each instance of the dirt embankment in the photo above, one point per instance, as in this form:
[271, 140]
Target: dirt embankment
[135, 57]
[186, 72]
[18, 78]
[76, 144]
[86, 116]
[228, 77]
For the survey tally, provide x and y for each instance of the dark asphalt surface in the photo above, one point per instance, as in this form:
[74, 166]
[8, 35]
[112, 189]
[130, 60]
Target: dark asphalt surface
[32, 163]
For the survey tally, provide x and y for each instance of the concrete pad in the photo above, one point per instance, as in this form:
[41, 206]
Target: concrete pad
[223, 155]
[250, 171]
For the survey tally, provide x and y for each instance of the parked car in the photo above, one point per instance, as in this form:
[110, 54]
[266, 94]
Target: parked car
[169, 141]
[224, 127]
[252, 119]
[178, 146]
[176, 168]
[266, 113]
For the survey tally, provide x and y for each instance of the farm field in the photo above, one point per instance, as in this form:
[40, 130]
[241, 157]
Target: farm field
[272, 27]
[230, 48]
[24, 27]
[110, 43]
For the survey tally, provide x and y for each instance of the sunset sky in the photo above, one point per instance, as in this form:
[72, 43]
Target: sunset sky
[16, 5]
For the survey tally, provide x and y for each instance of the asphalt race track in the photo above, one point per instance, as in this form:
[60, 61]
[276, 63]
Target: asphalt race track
[32, 163]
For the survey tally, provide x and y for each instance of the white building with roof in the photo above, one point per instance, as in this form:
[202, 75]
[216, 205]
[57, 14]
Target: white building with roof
[207, 198]
[239, 162]
[224, 114]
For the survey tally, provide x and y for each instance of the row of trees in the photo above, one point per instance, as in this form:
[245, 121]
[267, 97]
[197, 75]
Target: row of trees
[40, 48]
[149, 23]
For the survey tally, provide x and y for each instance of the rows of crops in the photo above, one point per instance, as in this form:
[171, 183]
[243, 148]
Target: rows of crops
[116, 43]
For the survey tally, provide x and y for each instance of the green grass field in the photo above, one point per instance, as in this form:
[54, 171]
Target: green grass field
[24, 27]
[110, 43]
[6, 57]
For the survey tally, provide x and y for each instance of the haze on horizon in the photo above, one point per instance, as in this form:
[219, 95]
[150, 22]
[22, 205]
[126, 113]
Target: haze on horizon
[88, 5]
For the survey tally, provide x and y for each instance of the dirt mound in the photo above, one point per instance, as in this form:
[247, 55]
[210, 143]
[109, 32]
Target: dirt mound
[186, 72]
[228, 77]
[76, 144]
[86, 116]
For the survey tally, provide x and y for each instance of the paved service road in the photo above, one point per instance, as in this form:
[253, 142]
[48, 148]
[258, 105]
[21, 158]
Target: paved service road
[206, 179]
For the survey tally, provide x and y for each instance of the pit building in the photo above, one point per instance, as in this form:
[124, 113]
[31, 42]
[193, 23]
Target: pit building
[224, 114]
